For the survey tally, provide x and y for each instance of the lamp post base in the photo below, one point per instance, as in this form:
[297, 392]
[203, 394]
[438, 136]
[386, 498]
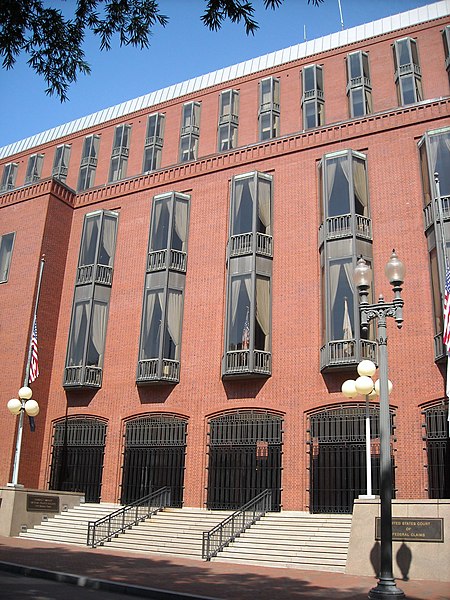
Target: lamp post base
[15, 485]
[385, 589]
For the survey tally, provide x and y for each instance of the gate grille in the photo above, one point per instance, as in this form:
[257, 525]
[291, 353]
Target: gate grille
[245, 451]
[154, 456]
[438, 451]
[338, 457]
[77, 457]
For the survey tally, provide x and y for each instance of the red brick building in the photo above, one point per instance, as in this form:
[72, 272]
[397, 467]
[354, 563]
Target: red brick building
[197, 315]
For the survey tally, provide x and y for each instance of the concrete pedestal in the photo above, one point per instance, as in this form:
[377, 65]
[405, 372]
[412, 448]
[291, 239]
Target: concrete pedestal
[22, 508]
[412, 558]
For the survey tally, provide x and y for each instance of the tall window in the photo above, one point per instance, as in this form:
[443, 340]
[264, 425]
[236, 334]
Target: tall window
[88, 164]
[9, 177]
[61, 162]
[162, 312]
[313, 97]
[269, 108]
[345, 233]
[446, 40]
[408, 77]
[119, 155]
[249, 282]
[84, 361]
[228, 120]
[6, 248]
[153, 142]
[34, 168]
[190, 131]
[359, 88]
[434, 151]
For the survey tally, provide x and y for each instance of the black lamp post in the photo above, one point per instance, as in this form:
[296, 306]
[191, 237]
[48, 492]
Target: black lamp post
[395, 272]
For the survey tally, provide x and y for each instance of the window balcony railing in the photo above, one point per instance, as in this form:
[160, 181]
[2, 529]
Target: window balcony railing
[82, 376]
[431, 211]
[313, 94]
[103, 274]
[190, 130]
[243, 244]
[247, 363]
[229, 118]
[439, 351]
[154, 140]
[157, 261]
[90, 161]
[346, 353]
[120, 151]
[357, 82]
[60, 171]
[269, 107]
[344, 225]
[155, 370]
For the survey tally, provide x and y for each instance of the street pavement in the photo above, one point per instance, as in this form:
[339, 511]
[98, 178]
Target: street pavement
[171, 578]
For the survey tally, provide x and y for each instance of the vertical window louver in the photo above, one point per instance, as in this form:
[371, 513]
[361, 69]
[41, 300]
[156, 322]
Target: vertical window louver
[359, 87]
[249, 278]
[153, 143]
[162, 311]
[434, 152]
[34, 168]
[61, 162]
[119, 154]
[446, 40]
[269, 108]
[6, 248]
[84, 361]
[313, 97]
[408, 76]
[9, 177]
[344, 234]
[190, 131]
[228, 120]
[88, 164]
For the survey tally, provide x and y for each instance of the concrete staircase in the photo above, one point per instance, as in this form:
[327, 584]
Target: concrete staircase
[174, 531]
[298, 540]
[287, 539]
[71, 526]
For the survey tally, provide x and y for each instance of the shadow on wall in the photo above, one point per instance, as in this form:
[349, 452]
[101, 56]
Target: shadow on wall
[403, 559]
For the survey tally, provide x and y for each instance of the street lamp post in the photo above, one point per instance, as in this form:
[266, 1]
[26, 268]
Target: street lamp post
[19, 406]
[395, 272]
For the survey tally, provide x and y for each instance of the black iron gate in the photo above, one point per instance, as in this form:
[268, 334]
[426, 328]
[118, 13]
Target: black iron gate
[338, 457]
[245, 451]
[438, 451]
[77, 456]
[154, 457]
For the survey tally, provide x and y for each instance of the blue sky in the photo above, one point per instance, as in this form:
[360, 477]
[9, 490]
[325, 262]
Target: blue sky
[184, 49]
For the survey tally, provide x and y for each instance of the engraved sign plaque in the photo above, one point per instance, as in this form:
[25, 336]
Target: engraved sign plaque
[414, 530]
[37, 503]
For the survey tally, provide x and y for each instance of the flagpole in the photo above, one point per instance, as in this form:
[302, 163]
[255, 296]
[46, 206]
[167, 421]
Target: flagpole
[444, 251]
[15, 475]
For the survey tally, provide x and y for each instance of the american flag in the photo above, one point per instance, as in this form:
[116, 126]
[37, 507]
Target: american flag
[246, 332]
[34, 366]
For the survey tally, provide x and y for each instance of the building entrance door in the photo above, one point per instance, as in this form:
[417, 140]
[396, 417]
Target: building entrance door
[245, 452]
[338, 457]
[77, 456]
[154, 457]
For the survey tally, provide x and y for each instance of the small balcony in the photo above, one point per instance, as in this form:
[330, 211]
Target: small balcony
[103, 274]
[343, 226]
[247, 364]
[155, 370]
[344, 354]
[82, 376]
[431, 212]
[157, 261]
[439, 350]
[243, 244]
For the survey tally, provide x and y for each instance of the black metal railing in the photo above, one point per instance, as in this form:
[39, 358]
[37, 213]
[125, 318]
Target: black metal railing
[112, 525]
[230, 528]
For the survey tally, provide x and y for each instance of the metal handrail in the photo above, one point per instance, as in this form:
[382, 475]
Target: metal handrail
[232, 526]
[123, 518]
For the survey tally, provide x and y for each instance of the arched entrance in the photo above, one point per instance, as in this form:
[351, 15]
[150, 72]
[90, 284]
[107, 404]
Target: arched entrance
[154, 455]
[245, 451]
[338, 457]
[438, 451]
[77, 456]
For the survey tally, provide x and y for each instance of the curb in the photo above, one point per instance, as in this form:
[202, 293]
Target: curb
[99, 584]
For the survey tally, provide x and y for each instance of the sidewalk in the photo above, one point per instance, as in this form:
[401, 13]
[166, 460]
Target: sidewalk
[138, 573]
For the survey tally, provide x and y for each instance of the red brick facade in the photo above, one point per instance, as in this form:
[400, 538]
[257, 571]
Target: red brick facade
[48, 218]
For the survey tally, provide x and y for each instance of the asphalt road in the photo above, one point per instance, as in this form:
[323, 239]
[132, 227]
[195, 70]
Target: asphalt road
[17, 587]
